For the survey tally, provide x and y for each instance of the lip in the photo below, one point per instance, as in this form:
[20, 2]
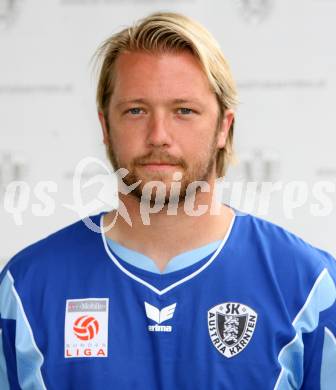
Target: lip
[158, 166]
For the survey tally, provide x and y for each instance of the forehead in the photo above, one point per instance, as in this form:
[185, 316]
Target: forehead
[162, 74]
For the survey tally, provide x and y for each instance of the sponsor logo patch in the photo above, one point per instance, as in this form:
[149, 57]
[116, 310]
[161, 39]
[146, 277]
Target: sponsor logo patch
[231, 326]
[86, 327]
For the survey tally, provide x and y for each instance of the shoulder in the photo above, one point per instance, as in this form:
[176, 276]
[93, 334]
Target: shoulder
[285, 246]
[303, 275]
[293, 264]
[54, 248]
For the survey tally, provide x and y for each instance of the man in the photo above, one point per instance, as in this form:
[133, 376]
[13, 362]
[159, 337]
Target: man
[201, 297]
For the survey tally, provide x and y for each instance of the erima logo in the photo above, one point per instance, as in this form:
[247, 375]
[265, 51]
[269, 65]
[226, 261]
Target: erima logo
[231, 326]
[159, 316]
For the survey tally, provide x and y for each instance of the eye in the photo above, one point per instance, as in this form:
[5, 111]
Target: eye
[185, 110]
[134, 110]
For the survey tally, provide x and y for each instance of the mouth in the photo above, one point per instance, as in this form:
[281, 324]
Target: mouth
[158, 166]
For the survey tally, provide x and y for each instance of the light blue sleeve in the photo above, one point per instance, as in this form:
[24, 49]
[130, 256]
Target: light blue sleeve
[26, 370]
[297, 366]
[328, 360]
[4, 382]
[320, 346]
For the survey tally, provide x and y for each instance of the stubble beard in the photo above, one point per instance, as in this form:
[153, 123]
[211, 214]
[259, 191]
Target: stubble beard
[199, 171]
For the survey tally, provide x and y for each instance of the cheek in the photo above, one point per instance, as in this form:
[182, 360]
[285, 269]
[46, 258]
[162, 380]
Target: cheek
[125, 147]
[196, 148]
[203, 141]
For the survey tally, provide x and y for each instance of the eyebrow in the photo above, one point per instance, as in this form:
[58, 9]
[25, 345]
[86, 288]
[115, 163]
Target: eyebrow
[144, 101]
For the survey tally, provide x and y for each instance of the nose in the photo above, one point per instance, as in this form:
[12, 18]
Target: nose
[158, 130]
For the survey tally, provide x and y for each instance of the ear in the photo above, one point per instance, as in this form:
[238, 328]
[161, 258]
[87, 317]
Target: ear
[104, 127]
[225, 127]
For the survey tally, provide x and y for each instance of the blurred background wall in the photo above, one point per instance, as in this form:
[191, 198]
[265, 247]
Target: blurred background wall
[283, 57]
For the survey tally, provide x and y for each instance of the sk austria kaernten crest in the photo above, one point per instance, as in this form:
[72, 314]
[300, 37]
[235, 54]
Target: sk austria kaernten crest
[231, 326]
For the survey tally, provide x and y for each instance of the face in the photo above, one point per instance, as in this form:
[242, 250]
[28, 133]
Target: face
[163, 118]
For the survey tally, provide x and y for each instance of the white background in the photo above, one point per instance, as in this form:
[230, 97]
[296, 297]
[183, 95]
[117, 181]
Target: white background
[283, 58]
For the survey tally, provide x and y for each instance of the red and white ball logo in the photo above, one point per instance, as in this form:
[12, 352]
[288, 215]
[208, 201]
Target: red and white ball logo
[86, 327]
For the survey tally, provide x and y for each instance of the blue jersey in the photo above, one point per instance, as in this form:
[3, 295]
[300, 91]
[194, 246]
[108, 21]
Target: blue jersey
[257, 313]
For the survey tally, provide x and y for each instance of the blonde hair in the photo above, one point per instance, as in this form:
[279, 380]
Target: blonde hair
[169, 31]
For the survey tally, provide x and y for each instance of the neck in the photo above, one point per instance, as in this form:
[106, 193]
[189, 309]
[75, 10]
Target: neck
[164, 234]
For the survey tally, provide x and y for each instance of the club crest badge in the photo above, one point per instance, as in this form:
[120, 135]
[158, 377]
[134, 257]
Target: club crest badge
[231, 326]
